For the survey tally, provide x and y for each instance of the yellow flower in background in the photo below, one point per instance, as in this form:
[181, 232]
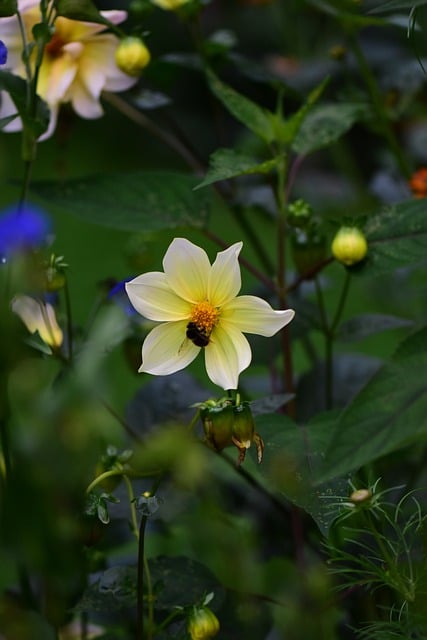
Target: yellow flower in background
[170, 5]
[39, 316]
[78, 63]
[199, 309]
[132, 56]
[349, 245]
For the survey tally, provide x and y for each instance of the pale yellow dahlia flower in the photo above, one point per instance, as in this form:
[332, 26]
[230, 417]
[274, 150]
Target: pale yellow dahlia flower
[198, 306]
[39, 317]
[78, 63]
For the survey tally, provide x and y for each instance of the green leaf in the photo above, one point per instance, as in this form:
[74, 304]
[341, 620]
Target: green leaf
[177, 582]
[114, 590]
[227, 163]
[180, 582]
[17, 89]
[8, 8]
[292, 456]
[286, 130]
[397, 5]
[390, 412]
[368, 324]
[347, 11]
[254, 117]
[137, 201]
[397, 236]
[80, 10]
[326, 124]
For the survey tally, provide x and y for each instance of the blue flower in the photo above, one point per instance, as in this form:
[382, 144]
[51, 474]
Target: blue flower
[22, 229]
[3, 53]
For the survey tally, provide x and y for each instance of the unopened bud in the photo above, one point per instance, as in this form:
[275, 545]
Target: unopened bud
[132, 56]
[360, 495]
[170, 5]
[202, 624]
[299, 213]
[229, 423]
[349, 246]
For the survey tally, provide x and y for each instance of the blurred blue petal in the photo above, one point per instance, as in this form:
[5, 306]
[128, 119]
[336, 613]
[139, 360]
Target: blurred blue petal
[118, 295]
[22, 229]
[3, 53]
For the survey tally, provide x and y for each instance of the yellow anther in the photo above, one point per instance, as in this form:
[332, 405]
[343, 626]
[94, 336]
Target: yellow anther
[204, 316]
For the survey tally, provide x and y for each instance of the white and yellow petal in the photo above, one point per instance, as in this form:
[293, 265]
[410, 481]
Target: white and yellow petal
[152, 297]
[38, 316]
[227, 355]
[224, 278]
[167, 350]
[251, 314]
[187, 269]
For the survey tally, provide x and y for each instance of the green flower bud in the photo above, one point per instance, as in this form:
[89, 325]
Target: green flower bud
[55, 273]
[299, 213]
[308, 248]
[132, 56]
[227, 422]
[218, 419]
[202, 624]
[349, 246]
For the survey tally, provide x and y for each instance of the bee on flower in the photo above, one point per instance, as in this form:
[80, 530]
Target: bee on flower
[198, 309]
[78, 62]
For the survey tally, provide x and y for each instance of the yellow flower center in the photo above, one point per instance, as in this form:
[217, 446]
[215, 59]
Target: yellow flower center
[204, 316]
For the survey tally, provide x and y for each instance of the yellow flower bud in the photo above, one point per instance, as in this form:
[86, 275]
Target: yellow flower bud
[132, 56]
[169, 5]
[349, 245]
[202, 624]
[360, 495]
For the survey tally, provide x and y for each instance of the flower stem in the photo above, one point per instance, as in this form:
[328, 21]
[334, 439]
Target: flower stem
[69, 320]
[329, 333]
[131, 496]
[281, 199]
[103, 476]
[140, 580]
[378, 105]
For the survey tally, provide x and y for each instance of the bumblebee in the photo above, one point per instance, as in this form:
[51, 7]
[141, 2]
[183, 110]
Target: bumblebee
[196, 335]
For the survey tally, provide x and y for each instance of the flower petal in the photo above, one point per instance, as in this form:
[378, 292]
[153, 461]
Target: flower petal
[38, 316]
[152, 297]
[55, 78]
[224, 279]
[254, 315]
[227, 355]
[187, 270]
[166, 349]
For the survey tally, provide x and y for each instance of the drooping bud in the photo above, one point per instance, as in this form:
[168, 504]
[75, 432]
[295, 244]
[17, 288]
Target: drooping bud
[229, 422]
[132, 56]
[202, 623]
[349, 245]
